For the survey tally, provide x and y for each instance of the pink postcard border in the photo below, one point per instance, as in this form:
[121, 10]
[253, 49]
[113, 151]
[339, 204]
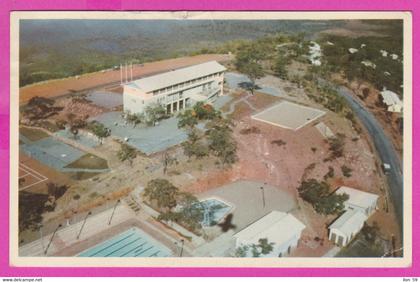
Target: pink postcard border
[7, 6]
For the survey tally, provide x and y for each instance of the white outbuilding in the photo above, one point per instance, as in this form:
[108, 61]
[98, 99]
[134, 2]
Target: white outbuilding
[392, 101]
[282, 229]
[353, 50]
[359, 200]
[384, 53]
[367, 63]
[344, 228]
[359, 206]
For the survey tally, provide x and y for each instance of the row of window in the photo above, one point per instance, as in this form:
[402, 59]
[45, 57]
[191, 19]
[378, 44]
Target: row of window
[184, 84]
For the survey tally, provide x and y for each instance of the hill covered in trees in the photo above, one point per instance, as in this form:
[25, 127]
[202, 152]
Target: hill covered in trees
[61, 48]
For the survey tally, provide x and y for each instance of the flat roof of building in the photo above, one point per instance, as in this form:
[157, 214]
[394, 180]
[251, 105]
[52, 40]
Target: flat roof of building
[278, 227]
[177, 76]
[349, 222]
[358, 198]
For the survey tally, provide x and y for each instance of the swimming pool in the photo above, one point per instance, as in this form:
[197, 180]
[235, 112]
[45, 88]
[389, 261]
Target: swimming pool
[131, 243]
[214, 211]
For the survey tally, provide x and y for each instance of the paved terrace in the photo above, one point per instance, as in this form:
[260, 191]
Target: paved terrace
[151, 139]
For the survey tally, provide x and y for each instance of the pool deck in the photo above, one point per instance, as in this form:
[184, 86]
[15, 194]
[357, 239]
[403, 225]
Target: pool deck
[95, 231]
[67, 235]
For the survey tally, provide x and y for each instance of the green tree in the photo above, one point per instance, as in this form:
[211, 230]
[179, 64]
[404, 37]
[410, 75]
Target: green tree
[191, 212]
[205, 111]
[194, 146]
[346, 170]
[280, 67]
[336, 147]
[187, 118]
[221, 142]
[319, 196]
[134, 119]
[265, 246]
[126, 153]
[99, 130]
[75, 124]
[248, 61]
[155, 113]
[242, 251]
[162, 192]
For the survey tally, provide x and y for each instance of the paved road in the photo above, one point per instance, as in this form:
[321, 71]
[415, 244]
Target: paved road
[384, 148]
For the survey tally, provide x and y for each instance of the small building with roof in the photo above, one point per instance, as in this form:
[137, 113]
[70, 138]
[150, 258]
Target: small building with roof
[359, 200]
[359, 206]
[392, 101]
[281, 229]
[344, 228]
[176, 89]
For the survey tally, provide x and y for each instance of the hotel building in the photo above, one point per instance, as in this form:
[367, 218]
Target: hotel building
[176, 89]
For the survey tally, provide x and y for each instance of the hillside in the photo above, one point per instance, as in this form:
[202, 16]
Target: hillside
[61, 48]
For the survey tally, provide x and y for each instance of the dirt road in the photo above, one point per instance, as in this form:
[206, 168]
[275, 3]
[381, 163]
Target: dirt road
[59, 87]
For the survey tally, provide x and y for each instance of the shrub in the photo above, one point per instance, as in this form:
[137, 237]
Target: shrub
[330, 173]
[346, 170]
[278, 142]
[319, 196]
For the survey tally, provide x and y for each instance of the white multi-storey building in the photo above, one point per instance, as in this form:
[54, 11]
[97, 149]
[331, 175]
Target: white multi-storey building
[175, 90]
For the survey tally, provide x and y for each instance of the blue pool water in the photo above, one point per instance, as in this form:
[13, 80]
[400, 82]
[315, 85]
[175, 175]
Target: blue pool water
[214, 211]
[131, 243]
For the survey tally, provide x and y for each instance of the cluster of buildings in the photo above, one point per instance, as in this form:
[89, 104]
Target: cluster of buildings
[182, 88]
[283, 231]
[358, 208]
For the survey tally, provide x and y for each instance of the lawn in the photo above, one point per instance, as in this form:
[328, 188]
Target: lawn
[89, 161]
[32, 134]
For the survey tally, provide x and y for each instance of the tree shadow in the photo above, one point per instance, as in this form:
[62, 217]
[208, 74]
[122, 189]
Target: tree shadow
[226, 225]
[248, 86]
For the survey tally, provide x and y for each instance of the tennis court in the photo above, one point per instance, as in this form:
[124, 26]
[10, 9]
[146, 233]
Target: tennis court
[289, 115]
[52, 152]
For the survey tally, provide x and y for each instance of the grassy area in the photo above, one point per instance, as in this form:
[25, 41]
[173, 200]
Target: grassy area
[89, 161]
[32, 134]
